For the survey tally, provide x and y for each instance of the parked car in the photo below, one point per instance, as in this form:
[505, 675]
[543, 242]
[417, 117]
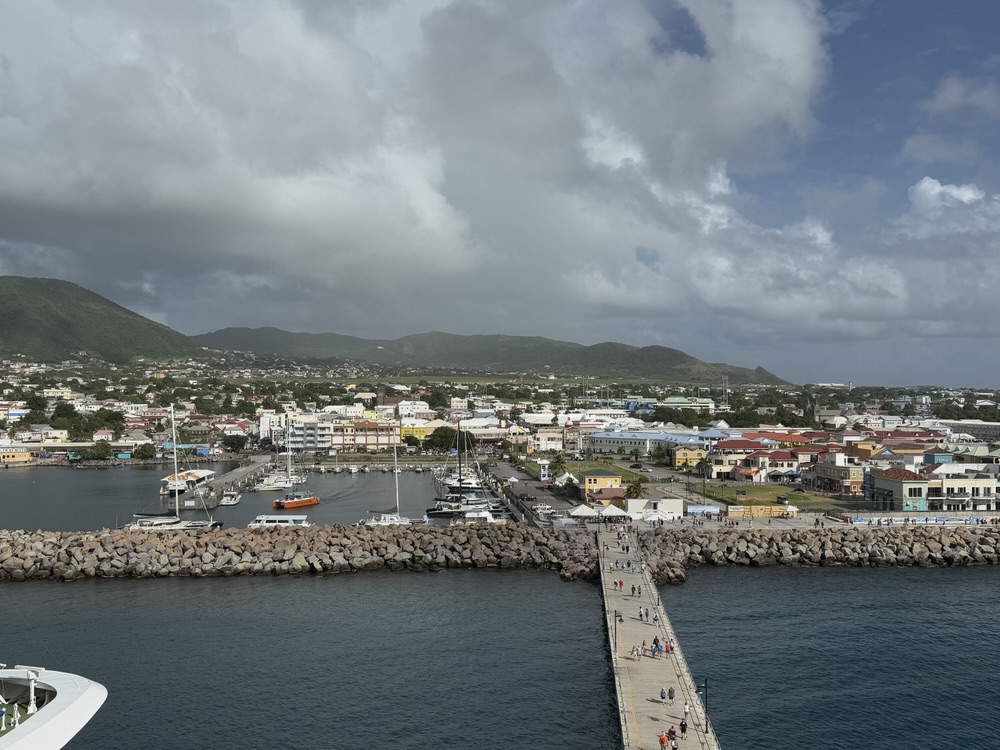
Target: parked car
[798, 489]
[635, 466]
[647, 470]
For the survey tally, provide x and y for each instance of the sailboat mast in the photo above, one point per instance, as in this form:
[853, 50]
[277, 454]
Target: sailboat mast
[395, 473]
[173, 439]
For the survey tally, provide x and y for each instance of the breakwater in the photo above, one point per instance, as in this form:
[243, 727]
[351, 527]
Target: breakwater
[668, 552]
[66, 556]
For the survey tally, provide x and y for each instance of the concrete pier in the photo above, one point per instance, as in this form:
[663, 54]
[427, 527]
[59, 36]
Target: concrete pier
[638, 681]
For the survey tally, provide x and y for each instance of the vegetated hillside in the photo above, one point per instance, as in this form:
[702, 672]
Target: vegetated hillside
[496, 353]
[48, 319]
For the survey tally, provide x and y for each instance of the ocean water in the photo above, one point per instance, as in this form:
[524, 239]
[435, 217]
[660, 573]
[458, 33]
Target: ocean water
[796, 659]
[457, 659]
[894, 658]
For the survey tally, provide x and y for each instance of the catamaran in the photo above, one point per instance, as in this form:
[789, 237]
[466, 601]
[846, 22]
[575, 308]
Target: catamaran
[390, 516]
[171, 521]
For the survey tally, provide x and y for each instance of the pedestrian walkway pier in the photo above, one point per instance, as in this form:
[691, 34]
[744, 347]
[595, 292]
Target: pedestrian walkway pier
[638, 681]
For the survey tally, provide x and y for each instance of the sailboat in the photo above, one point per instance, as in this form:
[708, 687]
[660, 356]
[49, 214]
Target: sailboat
[389, 517]
[171, 521]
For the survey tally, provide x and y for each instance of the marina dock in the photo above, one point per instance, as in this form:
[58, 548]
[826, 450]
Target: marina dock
[638, 681]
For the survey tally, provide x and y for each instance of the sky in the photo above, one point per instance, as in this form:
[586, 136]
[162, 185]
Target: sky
[807, 186]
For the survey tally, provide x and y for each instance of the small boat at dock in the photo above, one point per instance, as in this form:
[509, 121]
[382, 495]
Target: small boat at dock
[230, 497]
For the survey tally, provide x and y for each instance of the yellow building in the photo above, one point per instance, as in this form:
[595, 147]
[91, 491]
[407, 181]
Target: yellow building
[682, 457]
[597, 479]
[9, 455]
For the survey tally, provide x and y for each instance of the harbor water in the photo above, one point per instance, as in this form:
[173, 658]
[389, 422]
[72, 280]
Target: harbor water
[795, 658]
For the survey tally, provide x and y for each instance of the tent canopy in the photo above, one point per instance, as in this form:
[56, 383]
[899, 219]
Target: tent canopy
[613, 510]
[583, 511]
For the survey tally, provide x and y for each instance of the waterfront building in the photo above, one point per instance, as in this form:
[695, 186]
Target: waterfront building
[839, 473]
[595, 479]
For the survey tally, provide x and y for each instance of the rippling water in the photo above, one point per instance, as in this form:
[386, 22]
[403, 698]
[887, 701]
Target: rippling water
[842, 658]
[797, 659]
[457, 659]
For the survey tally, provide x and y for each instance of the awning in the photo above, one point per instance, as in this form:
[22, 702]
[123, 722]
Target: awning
[746, 472]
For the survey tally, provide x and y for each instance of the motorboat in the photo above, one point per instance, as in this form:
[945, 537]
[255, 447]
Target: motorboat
[41, 708]
[267, 522]
[230, 497]
[295, 500]
[483, 515]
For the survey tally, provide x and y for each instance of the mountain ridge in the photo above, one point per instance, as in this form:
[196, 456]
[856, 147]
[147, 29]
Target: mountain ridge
[501, 353]
[49, 320]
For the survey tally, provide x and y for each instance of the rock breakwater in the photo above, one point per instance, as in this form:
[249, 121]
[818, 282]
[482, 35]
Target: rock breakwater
[67, 556]
[671, 552]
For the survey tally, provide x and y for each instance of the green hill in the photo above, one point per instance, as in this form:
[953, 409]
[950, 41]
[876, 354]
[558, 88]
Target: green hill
[47, 320]
[491, 353]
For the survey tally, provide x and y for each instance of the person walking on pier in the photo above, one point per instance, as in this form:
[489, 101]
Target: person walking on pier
[670, 696]
[687, 710]
[664, 740]
[633, 589]
[663, 696]
[684, 729]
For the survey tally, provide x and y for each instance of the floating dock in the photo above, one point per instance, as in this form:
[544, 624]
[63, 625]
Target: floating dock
[638, 681]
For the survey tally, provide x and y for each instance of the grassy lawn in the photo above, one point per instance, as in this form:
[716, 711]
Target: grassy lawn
[575, 467]
[767, 494]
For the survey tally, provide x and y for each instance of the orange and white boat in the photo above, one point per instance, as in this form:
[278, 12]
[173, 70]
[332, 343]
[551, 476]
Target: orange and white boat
[295, 500]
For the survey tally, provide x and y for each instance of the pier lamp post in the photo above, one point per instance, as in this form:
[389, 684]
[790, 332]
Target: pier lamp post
[702, 690]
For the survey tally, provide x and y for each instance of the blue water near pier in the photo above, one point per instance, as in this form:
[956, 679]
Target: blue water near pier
[894, 658]
[795, 658]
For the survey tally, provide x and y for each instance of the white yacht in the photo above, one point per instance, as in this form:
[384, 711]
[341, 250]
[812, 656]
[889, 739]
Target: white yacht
[41, 708]
[265, 521]
[230, 497]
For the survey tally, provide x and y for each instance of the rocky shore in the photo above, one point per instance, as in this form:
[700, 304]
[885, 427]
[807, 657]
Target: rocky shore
[669, 552]
[67, 556]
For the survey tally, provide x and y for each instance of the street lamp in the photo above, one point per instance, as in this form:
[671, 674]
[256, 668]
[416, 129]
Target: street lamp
[702, 690]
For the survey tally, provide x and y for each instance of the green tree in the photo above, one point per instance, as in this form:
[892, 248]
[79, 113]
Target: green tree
[234, 443]
[64, 410]
[634, 489]
[101, 449]
[144, 451]
[558, 465]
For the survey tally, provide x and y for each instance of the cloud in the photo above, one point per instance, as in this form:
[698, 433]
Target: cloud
[570, 168]
[964, 94]
[932, 148]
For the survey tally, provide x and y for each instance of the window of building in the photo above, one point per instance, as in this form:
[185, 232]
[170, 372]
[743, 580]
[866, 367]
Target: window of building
[914, 492]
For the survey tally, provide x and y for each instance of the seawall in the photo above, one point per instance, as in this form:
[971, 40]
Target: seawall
[668, 552]
[67, 556]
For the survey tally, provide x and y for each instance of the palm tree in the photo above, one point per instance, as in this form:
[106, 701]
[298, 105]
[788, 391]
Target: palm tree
[558, 465]
[634, 489]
